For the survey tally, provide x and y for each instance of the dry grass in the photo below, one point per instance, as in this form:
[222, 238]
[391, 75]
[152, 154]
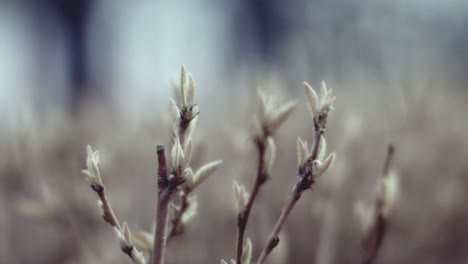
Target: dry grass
[59, 223]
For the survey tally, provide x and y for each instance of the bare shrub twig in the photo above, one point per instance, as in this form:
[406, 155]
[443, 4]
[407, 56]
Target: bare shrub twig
[180, 174]
[311, 164]
[375, 220]
[268, 120]
[123, 233]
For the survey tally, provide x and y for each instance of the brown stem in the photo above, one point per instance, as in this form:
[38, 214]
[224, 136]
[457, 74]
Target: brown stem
[164, 197]
[159, 246]
[243, 217]
[273, 240]
[108, 214]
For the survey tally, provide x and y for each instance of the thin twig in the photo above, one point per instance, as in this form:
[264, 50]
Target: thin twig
[109, 216]
[243, 217]
[274, 240]
[372, 240]
[159, 246]
[304, 183]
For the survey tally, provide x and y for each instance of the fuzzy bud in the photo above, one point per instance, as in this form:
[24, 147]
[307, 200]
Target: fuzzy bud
[93, 176]
[321, 167]
[204, 172]
[281, 115]
[190, 213]
[302, 152]
[240, 197]
[177, 154]
[270, 155]
[247, 252]
[389, 191]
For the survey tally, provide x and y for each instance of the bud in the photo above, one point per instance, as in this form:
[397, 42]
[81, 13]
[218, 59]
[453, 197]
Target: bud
[127, 234]
[312, 99]
[190, 91]
[257, 127]
[240, 197]
[187, 153]
[302, 152]
[364, 215]
[189, 179]
[123, 242]
[175, 111]
[183, 84]
[177, 154]
[204, 172]
[138, 257]
[389, 191]
[93, 176]
[144, 240]
[270, 155]
[190, 213]
[281, 115]
[247, 252]
[322, 167]
[319, 106]
[322, 148]
[192, 125]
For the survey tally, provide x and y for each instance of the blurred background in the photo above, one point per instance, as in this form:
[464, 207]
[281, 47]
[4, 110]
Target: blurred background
[101, 72]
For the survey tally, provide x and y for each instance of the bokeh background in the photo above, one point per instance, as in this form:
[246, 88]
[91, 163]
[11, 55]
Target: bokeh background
[101, 72]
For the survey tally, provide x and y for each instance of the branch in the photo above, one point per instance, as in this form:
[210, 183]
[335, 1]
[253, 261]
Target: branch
[311, 165]
[243, 217]
[303, 184]
[93, 176]
[372, 240]
[165, 191]
[107, 211]
[273, 241]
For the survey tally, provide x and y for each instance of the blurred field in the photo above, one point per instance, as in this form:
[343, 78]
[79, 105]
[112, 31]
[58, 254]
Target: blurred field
[49, 214]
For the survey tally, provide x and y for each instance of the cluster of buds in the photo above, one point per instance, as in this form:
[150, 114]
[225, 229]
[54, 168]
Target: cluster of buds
[246, 254]
[269, 118]
[188, 110]
[310, 166]
[185, 120]
[184, 117]
[319, 106]
[169, 181]
[270, 115]
[128, 246]
[313, 163]
[124, 235]
[93, 176]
